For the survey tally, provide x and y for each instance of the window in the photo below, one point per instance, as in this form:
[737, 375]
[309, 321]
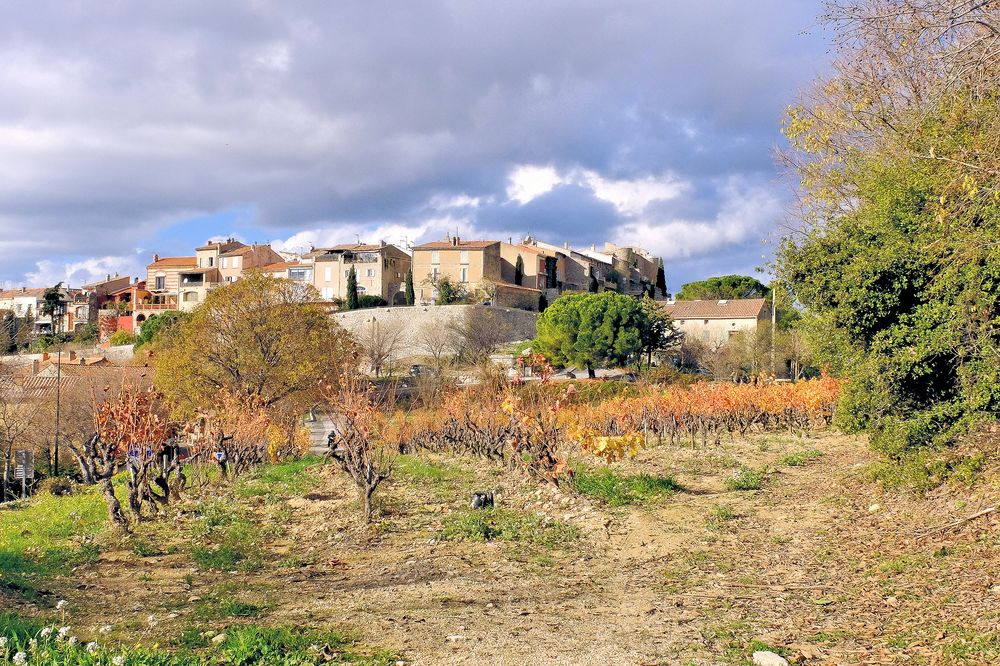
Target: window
[435, 257]
[464, 256]
[236, 262]
[347, 273]
[465, 274]
[211, 261]
[190, 296]
[161, 282]
[434, 272]
[370, 272]
[328, 292]
[327, 274]
[225, 262]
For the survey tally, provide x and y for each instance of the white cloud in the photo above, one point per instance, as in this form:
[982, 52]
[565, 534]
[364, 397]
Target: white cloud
[77, 273]
[527, 182]
[747, 211]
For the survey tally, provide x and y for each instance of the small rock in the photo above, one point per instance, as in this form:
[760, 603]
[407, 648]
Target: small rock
[766, 658]
[874, 507]
[220, 638]
[454, 638]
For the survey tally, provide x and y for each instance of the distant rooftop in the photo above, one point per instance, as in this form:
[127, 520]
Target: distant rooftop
[741, 308]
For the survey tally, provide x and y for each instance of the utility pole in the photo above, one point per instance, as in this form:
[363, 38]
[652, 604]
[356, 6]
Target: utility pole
[774, 321]
[57, 312]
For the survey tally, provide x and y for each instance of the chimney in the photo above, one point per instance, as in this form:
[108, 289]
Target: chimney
[156, 258]
[108, 278]
[455, 240]
[34, 366]
[565, 245]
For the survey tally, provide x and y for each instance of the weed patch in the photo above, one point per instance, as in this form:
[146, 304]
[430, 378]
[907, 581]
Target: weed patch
[249, 645]
[746, 479]
[800, 458]
[507, 525]
[615, 489]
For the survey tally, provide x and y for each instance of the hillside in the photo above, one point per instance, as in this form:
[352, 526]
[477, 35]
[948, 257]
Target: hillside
[662, 559]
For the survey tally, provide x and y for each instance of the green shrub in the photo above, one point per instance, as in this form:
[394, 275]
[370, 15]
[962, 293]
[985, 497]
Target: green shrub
[746, 479]
[121, 338]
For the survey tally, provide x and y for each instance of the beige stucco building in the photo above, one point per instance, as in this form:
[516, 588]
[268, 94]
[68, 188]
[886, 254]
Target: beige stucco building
[466, 262]
[380, 270]
[714, 322]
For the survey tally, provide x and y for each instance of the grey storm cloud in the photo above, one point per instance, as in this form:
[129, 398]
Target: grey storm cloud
[120, 119]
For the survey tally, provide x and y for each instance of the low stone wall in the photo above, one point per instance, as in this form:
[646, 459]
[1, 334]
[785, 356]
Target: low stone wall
[118, 354]
[413, 320]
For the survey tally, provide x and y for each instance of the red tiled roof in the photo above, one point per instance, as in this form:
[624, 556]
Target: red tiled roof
[174, 262]
[357, 247]
[459, 245]
[742, 308]
[221, 246]
[239, 251]
[278, 266]
[29, 291]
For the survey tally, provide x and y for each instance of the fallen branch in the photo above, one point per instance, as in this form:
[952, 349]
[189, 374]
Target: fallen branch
[959, 523]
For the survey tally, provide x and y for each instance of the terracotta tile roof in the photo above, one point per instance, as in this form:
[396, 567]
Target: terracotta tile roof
[530, 248]
[459, 245]
[357, 247]
[174, 262]
[278, 266]
[37, 292]
[236, 252]
[742, 308]
[221, 246]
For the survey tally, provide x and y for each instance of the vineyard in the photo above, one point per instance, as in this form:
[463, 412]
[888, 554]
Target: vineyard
[529, 424]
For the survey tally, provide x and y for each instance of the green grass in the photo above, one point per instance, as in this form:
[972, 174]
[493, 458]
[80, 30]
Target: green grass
[615, 489]
[222, 558]
[247, 645]
[46, 535]
[422, 470]
[800, 458]
[507, 525]
[720, 516]
[746, 479]
[280, 480]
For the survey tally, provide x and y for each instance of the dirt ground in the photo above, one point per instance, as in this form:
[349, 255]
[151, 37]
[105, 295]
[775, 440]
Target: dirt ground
[819, 563]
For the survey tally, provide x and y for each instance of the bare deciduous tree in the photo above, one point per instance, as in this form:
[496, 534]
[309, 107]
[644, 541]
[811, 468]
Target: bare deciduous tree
[480, 332]
[438, 341]
[379, 342]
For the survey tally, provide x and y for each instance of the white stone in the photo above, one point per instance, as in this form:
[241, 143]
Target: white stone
[765, 658]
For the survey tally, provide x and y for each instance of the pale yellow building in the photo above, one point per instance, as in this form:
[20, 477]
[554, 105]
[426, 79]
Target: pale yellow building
[466, 263]
[380, 270]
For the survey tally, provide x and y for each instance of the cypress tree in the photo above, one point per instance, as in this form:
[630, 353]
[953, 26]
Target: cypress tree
[519, 271]
[352, 290]
[411, 297]
[661, 279]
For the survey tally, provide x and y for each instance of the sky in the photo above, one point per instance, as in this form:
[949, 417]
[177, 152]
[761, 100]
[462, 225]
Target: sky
[134, 128]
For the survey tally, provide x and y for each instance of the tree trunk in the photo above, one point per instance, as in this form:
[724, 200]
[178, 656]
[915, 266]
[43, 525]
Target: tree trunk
[367, 500]
[590, 372]
[115, 512]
